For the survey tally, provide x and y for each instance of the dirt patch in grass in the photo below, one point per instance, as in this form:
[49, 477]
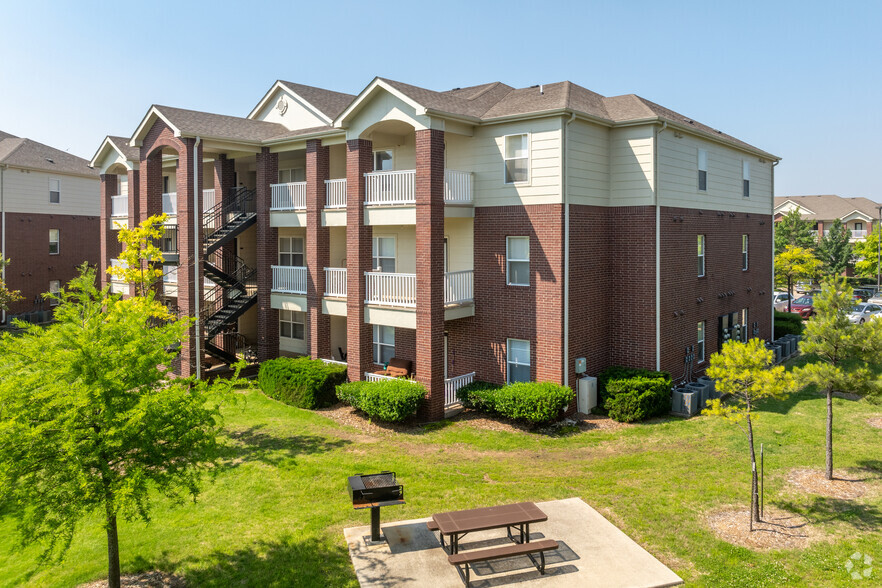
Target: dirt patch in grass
[844, 485]
[152, 579]
[875, 422]
[779, 529]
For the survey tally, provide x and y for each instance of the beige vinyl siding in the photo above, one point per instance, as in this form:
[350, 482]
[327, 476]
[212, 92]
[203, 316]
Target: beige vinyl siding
[402, 146]
[482, 155]
[297, 116]
[460, 235]
[631, 166]
[588, 164]
[28, 191]
[678, 176]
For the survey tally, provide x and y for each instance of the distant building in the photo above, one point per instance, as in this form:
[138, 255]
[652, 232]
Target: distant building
[48, 220]
[857, 214]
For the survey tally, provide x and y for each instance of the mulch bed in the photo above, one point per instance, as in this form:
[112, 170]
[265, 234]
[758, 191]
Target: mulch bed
[844, 485]
[152, 579]
[779, 529]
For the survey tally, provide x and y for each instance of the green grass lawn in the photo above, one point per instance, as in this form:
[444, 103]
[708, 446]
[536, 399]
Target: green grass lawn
[274, 514]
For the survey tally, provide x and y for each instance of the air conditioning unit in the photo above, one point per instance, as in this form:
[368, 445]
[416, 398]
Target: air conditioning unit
[711, 386]
[685, 403]
[701, 390]
[786, 347]
[587, 398]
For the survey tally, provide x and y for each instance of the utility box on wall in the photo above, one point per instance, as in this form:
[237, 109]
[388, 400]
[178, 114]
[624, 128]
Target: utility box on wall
[581, 365]
[586, 399]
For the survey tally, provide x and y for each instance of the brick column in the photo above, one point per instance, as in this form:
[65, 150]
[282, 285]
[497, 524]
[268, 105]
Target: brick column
[190, 293]
[109, 187]
[359, 337]
[149, 190]
[318, 249]
[134, 176]
[224, 182]
[429, 366]
[267, 255]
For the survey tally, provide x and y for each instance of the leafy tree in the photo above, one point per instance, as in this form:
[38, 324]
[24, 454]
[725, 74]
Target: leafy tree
[866, 252]
[835, 250]
[91, 418]
[793, 231]
[795, 263]
[745, 371]
[142, 258]
[833, 339]
[7, 296]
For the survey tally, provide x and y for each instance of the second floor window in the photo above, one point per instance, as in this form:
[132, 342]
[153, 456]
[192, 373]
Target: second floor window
[744, 252]
[383, 254]
[292, 175]
[517, 158]
[517, 256]
[384, 160]
[54, 191]
[701, 255]
[291, 251]
[54, 241]
[702, 170]
[745, 174]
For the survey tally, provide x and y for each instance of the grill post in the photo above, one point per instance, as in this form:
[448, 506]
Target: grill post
[375, 524]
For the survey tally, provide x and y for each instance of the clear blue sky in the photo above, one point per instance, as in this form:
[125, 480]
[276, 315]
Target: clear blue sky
[798, 79]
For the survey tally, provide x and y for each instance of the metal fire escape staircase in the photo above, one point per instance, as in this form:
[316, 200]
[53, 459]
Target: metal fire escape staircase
[235, 283]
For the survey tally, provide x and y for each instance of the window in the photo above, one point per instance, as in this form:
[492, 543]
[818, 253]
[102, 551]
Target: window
[699, 346]
[165, 185]
[517, 257]
[54, 191]
[518, 360]
[54, 288]
[384, 160]
[292, 324]
[744, 252]
[700, 255]
[292, 175]
[170, 274]
[745, 174]
[291, 251]
[384, 344]
[744, 334]
[702, 170]
[517, 158]
[383, 254]
[54, 238]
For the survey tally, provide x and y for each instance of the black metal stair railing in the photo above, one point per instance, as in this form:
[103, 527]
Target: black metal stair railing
[228, 218]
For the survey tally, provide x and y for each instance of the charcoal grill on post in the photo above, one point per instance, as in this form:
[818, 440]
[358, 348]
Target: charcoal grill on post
[373, 491]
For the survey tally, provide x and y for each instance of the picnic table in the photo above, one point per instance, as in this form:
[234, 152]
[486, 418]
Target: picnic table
[457, 524]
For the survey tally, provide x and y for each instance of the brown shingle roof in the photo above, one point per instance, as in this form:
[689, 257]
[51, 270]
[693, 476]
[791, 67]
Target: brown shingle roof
[30, 154]
[5, 135]
[206, 124]
[300, 132]
[830, 206]
[330, 103]
[122, 143]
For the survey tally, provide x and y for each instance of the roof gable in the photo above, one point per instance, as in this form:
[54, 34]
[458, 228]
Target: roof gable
[297, 106]
[26, 153]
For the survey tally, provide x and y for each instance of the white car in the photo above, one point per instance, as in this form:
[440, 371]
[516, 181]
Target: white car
[861, 313]
[780, 300]
[877, 299]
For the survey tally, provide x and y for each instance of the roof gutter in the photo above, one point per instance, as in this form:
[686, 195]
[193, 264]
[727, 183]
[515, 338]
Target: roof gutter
[655, 182]
[197, 227]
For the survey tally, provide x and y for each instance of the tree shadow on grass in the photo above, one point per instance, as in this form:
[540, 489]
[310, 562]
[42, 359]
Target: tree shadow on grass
[253, 445]
[824, 509]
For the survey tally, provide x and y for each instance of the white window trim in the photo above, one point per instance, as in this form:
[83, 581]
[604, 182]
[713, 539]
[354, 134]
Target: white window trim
[745, 177]
[528, 158]
[292, 252]
[703, 325]
[509, 362]
[702, 255]
[57, 243]
[57, 181]
[509, 260]
[391, 150]
[291, 314]
[395, 247]
[377, 343]
[745, 244]
[702, 154]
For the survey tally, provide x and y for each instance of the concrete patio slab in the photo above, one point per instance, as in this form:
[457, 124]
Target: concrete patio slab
[593, 552]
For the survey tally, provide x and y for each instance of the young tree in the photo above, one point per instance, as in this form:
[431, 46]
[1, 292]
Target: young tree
[745, 371]
[91, 418]
[793, 231]
[7, 296]
[833, 339]
[795, 263]
[867, 254]
[142, 258]
[835, 250]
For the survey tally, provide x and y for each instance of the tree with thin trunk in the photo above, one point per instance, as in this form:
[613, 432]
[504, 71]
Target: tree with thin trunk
[795, 263]
[7, 296]
[866, 252]
[835, 249]
[745, 371]
[141, 258]
[793, 231]
[842, 351]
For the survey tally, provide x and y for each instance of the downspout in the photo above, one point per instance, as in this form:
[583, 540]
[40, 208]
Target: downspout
[197, 226]
[772, 310]
[655, 175]
[566, 282]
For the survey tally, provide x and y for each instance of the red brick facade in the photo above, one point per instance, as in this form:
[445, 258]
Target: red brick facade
[267, 256]
[109, 188]
[318, 248]
[359, 335]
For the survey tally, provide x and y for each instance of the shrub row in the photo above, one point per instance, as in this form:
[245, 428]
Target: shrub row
[386, 400]
[787, 323]
[633, 394]
[301, 381]
[535, 402]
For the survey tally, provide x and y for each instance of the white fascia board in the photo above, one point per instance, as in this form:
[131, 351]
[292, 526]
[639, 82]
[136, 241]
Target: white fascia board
[147, 122]
[365, 95]
[99, 155]
[265, 99]
[279, 85]
[802, 209]
[856, 214]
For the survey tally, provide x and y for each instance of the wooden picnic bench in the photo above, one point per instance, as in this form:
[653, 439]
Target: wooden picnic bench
[528, 549]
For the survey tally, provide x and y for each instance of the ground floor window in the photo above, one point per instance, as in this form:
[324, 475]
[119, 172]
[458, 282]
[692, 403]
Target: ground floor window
[699, 346]
[518, 360]
[54, 288]
[384, 344]
[292, 324]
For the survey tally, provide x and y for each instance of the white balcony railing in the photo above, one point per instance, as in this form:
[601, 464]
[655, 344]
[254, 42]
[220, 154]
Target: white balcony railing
[208, 199]
[390, 289]
[290, 196]
[458, 187]
[459, 287]
[119, 206]
[335, 282]
[858, 234]
[390, 187]
[289, 279]
[334, 361]
[451, 385]
[170, 203]
[369, 377]
[335, 193]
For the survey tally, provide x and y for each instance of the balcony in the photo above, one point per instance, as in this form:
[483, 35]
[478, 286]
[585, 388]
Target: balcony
[289, 196]
[168, 243]
[858, 234]
[170, 204]
[289, 279]
[390, 188]
[399, 290]
[335, 282]
[117, 285]
[335, 193]
[119, 211]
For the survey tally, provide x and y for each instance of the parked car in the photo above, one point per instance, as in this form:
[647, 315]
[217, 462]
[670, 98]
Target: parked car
[863, 312]
[877, 299]
[803, 287]
[862, 295]
[803, 306]
[780, 300]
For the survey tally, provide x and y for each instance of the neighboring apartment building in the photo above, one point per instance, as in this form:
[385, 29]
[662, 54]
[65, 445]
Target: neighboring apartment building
[48, 220]
[857, 214]
[484, 232]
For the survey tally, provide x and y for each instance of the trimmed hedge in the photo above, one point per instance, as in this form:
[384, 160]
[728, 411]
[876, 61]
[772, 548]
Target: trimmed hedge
[787, 323]
[621, 373]
[535, 402]
[638, 398]
[301, 381]
[386, 400]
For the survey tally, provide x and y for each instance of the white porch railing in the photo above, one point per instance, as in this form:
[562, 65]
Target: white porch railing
[858, 234]
[335, 282]
[290, 196]
[451, 385]
[289, 279]
[390, 187]
[390, 289]
[170, 203]
[334, 361]
[458, 187]
[335, 193]
[459, 287]
[369, 377]
[119, 205]
[208, 199]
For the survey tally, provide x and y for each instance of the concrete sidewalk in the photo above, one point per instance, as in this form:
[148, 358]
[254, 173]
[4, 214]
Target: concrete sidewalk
[593, 552]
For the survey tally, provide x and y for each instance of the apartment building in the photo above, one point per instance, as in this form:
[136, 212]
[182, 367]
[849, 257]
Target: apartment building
[48, 221]
[858, 215]
[487, 232]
